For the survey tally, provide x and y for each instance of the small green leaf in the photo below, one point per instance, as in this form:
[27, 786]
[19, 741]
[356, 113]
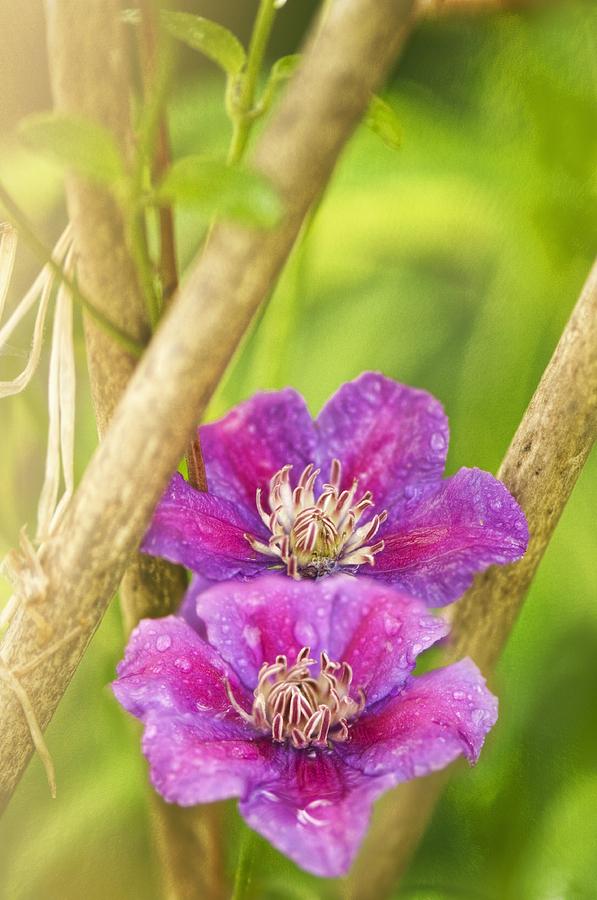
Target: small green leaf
[211, 39]
[75, 142]
[214, 187]
[284, 67]
[281, 71]
[381, 118]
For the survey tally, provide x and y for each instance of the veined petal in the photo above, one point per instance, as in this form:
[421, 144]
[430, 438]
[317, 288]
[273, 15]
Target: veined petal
[257, 438]
[253, 622]
[465, 524]
[188, 765]
[169, 670]
[316, 811]
[439, 716]
[379, 632]
[203, 532]
[387, 435]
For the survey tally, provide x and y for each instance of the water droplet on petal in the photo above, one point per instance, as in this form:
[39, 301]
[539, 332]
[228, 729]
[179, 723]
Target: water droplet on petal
[183, 664]
[163, 642]
[438, 441]
[305, 634]
[252, 635]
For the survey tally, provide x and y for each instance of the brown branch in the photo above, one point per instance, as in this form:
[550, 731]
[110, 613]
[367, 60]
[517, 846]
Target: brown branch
[155, 418]
[540, 468]
[441, 8]
[89, 69]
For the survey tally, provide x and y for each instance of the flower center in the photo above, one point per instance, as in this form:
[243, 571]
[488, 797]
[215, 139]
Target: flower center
[314, 537]
[293, 705]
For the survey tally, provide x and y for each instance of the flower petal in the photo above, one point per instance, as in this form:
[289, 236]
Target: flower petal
[316, 812]
[439, 716]
[169, 670]
[188, 765]
[244, 449]
[252, 622]
[387, 435]
[459, 528]
[380, 632]
[203, 533]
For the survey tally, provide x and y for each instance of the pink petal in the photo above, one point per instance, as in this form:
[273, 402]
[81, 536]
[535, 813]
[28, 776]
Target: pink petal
[203, 533]
[316, 812]
[439, 716]
[168, 669]
[188, 765]
[458, 528]
[252, 622]
[244, 449]
[380, 632]
[387, 435]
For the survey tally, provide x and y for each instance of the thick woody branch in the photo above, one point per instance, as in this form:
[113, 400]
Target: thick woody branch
[540, 469]
[89, 67]
[153, 423]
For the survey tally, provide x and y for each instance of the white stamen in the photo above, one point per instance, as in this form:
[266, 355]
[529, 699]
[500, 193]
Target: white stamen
[314, 537]
[292, 705]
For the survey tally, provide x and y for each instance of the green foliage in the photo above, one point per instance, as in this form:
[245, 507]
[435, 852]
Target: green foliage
[75, 143]
[283, 69]
[209, 38]
[383, 121]
[214, 187]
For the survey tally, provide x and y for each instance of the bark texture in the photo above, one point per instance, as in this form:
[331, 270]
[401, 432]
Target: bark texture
[540, 469]
[89, 67]
[175, 379]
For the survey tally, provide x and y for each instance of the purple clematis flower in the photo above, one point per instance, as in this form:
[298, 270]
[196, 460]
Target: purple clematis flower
[358, 490]
[301, 702]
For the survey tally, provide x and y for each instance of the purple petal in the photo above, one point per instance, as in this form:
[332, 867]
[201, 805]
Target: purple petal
[203, 533]
[380, 632]
[459, 528]
[385, 434]
[439, 716]
[252, 622]
[316, 812]
[188, 765]
[244, 449]
[168, 670]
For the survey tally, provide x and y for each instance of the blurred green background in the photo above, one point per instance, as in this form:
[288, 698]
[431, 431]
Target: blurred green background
[453, 265]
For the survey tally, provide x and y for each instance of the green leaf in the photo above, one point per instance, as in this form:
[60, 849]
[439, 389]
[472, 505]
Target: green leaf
[284, 67]
[75, 142]
[211, 39]
[214, 187]
[281, 71]
[381, 118]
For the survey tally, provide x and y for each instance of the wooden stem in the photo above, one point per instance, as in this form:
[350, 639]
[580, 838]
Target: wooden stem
[540, 469]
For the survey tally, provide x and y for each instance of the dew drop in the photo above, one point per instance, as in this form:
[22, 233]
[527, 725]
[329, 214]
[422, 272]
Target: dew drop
[183, 664]
[391, 625]
[438, 441]
[305, 634]
[163, 642]
[252, 635]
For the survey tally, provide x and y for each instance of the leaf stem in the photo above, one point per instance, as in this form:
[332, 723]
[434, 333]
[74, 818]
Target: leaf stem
[21, 222]
[243, 117]
[244, 866]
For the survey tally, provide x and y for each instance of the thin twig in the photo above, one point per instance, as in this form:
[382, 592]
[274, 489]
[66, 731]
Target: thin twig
[540, 469]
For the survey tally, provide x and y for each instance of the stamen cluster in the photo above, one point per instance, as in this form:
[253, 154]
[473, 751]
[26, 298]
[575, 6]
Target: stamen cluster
[317, 537]
[295, 707]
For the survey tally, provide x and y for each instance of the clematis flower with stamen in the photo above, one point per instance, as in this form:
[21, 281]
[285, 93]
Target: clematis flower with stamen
[360, 490]
[300, 701]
